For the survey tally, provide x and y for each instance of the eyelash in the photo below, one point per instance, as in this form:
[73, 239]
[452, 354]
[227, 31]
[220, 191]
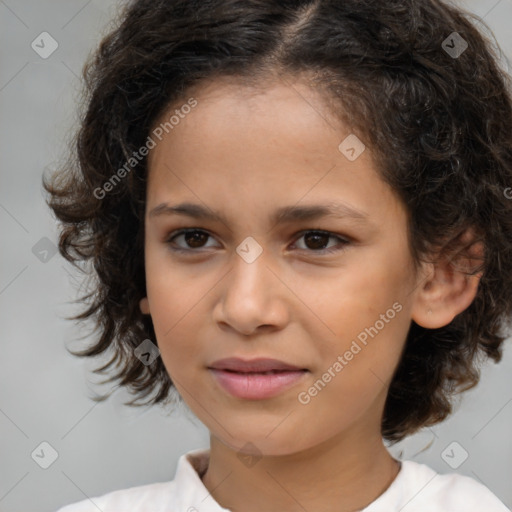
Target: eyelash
[343, 241]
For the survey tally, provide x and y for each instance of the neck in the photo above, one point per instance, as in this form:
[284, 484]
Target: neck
[343, 474]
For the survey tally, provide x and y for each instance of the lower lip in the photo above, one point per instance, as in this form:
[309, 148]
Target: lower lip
[256, 386]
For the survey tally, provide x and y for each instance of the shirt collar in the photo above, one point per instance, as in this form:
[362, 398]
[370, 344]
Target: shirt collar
[191, 494]
[394, 494]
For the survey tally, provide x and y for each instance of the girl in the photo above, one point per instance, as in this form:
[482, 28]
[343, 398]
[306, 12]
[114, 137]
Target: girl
[298, 216]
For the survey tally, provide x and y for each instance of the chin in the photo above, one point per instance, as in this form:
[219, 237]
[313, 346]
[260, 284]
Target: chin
[259, 443]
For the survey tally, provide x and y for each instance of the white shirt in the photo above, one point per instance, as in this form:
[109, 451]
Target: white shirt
[416, 488]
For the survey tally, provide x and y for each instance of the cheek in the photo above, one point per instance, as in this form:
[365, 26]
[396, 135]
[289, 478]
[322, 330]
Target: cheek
[359, 296]
[370, 320]
[175, 297]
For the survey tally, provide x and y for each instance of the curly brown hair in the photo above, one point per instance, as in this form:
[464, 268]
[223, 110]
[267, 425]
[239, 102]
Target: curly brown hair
[439, 122]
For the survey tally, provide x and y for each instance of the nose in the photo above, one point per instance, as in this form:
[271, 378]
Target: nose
[252, 298]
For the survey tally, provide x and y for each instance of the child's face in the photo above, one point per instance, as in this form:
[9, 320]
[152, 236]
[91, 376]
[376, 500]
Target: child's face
[244, 157]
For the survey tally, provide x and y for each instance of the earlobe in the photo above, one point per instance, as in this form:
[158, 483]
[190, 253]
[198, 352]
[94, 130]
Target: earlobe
[450, 287]
[144, 306]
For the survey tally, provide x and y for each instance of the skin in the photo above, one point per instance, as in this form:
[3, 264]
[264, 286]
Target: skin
[244, 153]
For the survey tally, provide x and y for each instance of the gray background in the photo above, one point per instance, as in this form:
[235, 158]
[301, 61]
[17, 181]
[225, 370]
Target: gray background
[44, 392]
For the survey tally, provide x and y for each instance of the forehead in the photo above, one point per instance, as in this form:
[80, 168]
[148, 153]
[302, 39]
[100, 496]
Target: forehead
[227, 104]
[272, 144]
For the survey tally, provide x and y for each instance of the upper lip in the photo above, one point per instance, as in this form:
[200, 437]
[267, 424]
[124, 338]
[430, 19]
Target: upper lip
[252, 365]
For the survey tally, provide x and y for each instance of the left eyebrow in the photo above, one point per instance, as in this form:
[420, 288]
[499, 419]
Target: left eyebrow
[285, 214]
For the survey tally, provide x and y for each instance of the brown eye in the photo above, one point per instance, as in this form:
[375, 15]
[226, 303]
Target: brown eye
[193, 239]
[316, 241]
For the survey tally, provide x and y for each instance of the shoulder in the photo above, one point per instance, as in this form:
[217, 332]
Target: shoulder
[425, 489]
[155, 496]
[176, 494]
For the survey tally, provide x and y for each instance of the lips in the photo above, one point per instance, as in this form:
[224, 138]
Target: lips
[256, 379]
[261, 365]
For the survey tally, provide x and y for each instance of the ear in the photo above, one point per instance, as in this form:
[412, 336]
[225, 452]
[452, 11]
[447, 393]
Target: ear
[144, 306]
[451, 284]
